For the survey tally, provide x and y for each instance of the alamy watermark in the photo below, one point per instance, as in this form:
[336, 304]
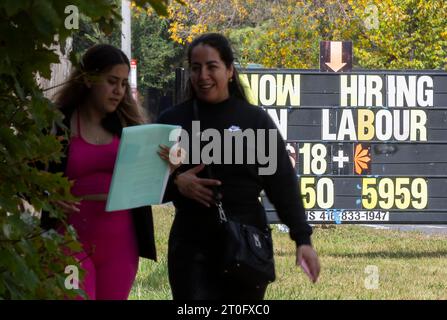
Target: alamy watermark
[72, 20]
[72, 280]
[372, 17]
[372, 280]
[253, 150]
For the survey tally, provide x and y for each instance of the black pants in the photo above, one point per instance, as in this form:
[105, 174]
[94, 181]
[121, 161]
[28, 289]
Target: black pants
[194, 272]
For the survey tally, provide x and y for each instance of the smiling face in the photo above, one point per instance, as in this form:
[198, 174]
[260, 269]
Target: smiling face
[209, 74]
[108, 92]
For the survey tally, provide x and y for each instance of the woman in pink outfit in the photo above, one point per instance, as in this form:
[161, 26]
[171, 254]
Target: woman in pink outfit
[97, 104]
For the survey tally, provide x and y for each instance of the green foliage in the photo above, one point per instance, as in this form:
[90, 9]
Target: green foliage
[386, 34]
[89, 34]
[32, 262]
[160, 6]
[157, 55]
[411, 34]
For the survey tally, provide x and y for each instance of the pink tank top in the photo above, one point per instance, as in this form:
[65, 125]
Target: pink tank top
[90, 165]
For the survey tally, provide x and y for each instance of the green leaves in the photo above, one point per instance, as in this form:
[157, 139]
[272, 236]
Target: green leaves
[12, 7]
[45, 18]
[160, 6]
[32, 262]
[20, 252]
[409, 35]
[404, 34]
[155, 53]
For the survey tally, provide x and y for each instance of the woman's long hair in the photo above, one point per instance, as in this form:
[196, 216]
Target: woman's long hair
[99, 59]
[223, 46]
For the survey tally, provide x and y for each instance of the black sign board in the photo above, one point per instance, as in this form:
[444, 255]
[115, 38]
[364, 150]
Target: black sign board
[368, 147]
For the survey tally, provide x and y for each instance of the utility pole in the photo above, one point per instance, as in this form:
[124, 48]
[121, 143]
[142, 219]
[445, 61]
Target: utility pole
[126, 41]
[125, 29]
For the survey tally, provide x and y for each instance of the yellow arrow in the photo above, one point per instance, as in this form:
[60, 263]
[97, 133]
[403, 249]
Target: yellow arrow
[336, 56]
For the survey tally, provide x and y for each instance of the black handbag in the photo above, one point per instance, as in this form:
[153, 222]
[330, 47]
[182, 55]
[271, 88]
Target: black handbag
[246, 251]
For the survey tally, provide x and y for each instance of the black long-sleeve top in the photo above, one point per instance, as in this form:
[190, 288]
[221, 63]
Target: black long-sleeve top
[241, 183]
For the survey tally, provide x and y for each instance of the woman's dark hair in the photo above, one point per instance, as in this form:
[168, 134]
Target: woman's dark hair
[97, 60]
[223, 46]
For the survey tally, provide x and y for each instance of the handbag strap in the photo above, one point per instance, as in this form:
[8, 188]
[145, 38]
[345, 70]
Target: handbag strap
[216, 194]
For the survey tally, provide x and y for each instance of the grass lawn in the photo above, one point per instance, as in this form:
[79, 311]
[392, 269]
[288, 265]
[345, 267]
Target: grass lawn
[410, 265]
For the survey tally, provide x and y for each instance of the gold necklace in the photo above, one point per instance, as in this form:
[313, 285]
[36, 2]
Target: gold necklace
[100, 139]
[96, 137]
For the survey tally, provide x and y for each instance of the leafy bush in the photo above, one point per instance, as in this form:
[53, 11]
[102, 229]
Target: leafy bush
[33, 262]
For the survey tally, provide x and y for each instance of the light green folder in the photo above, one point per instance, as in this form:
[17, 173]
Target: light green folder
[140, 175]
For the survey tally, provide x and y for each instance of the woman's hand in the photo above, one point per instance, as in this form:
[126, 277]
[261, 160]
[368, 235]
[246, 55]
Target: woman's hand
[68, 206]
[307, 258]
[196, 188]
[173, 156]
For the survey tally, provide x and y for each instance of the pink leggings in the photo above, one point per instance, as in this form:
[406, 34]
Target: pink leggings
[110, 257]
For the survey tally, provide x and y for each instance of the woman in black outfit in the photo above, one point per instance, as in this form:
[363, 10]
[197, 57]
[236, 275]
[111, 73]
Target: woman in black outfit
[193, 256]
